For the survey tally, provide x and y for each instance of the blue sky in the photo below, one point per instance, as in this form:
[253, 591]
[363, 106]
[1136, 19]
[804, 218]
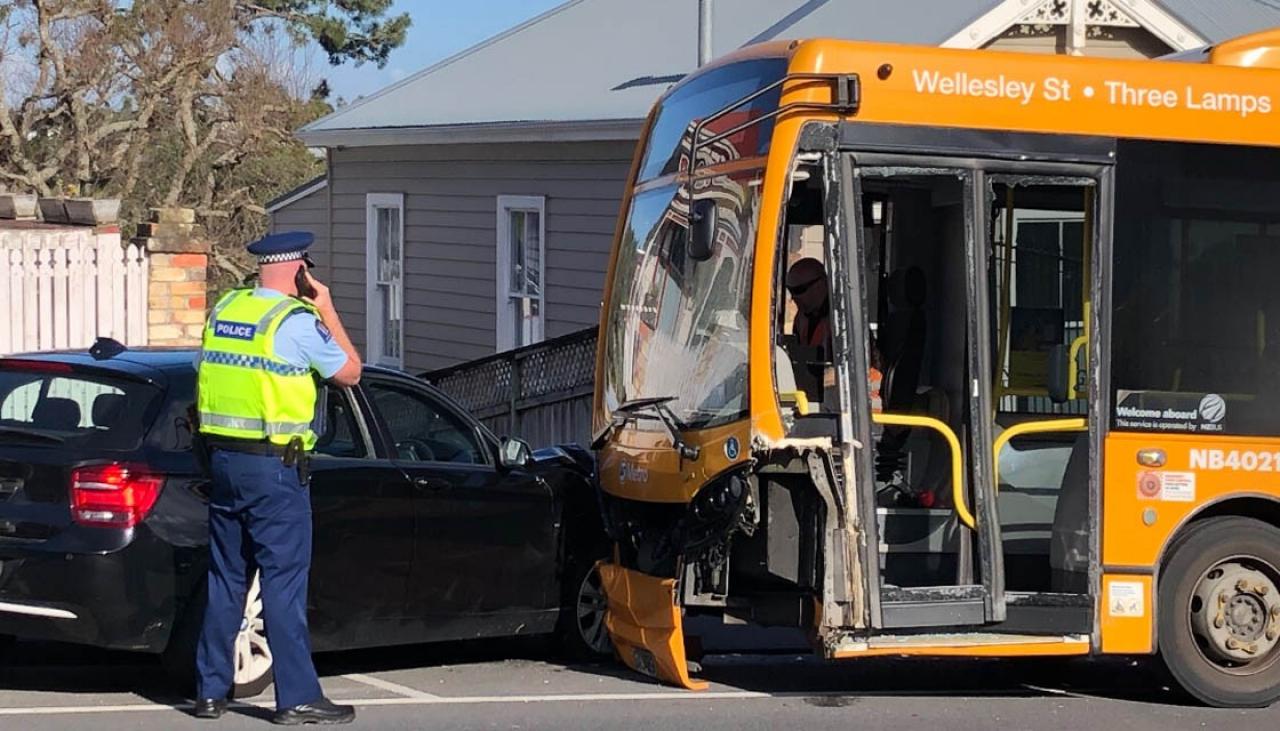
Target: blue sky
[440, 29]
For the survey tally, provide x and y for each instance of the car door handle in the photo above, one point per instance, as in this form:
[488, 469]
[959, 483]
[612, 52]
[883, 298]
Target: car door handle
[426, 483]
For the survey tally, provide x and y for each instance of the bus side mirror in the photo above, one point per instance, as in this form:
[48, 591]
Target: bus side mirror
[702, 229]
[1059, 374]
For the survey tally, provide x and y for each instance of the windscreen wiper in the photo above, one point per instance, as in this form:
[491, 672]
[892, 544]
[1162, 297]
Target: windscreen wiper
[6, 431]
[651, 409]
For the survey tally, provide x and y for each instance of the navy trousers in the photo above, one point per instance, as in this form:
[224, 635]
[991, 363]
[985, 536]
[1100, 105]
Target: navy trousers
[259, 515]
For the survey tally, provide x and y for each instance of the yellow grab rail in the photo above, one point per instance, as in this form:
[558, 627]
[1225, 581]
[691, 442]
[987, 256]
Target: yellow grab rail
[1032, 427]
[1073, 367]
[797, 398]
[957, 461]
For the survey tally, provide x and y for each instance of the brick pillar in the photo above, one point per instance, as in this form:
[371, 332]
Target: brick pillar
[176, 289]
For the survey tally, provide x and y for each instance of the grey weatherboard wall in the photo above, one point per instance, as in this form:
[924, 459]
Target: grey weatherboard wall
[450, 248]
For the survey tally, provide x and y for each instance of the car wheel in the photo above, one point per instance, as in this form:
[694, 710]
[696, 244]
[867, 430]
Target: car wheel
[253, 661]
[581, 629]
[252, 669]
[1219, 612]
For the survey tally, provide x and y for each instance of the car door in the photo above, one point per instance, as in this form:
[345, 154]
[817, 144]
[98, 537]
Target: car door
[485, 559]
[362, 546]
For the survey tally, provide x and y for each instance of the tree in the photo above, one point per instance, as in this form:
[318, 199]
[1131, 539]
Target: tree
[174, 102]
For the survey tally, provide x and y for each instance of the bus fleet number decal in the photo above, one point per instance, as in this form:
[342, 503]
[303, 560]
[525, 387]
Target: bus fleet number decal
[1235, 460]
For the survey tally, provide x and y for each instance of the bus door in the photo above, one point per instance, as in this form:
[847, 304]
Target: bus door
[971, 291]
[931, 549]
[1039, 246]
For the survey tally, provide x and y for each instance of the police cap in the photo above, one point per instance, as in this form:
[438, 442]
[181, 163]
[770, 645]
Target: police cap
[281, 247]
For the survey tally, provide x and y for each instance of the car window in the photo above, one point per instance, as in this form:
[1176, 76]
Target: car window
[337, 434]
[423, 429]
[85, 410]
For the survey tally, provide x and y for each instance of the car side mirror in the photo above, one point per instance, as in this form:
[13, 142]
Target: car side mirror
[702, 229]
[513, 453]
[1059, 374]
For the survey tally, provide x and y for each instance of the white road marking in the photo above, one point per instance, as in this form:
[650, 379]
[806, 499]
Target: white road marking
[389, 686]
[426, 700]
[570, 697]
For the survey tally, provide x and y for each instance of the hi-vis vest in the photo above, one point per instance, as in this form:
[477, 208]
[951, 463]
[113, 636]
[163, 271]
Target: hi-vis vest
[245, 391]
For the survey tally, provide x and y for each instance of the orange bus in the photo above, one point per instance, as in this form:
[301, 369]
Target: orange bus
[1058, 276]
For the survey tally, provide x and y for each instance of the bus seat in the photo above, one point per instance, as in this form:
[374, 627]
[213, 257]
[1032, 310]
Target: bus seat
[1069, 545]
[901, 339]
[928, 456]
[901, 336]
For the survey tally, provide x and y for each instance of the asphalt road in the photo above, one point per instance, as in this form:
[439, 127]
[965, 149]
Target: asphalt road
[517, 686]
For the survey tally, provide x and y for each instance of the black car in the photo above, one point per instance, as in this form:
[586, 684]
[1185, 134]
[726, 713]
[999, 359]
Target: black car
[427, 526]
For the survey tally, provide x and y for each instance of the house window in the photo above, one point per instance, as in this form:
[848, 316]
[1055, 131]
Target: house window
[384, 269]
[521, 249]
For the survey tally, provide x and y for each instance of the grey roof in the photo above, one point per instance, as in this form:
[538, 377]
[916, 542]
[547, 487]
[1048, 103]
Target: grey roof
[599, 59]
[296, 193]
[1219, 20]
[591, 62]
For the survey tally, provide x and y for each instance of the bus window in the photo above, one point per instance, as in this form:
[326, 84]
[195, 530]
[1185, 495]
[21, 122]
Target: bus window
[668, 140]
[1036, 280]
[1196, 323]
[803, 295]
[679, 325]
[915, 255]
[803, 290]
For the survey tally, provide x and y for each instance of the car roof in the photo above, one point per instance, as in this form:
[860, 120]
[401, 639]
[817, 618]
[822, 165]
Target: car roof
[149, 362]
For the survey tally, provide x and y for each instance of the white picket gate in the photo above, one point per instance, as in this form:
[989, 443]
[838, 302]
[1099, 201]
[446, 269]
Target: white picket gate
[63, 288]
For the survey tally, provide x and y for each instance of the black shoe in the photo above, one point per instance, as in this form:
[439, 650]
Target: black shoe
[209, 708]
[321, 712]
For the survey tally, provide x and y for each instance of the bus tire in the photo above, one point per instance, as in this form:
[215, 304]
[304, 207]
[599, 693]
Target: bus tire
[1219, 612]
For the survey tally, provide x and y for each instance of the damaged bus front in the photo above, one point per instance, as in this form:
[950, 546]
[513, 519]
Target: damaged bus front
[713, 504]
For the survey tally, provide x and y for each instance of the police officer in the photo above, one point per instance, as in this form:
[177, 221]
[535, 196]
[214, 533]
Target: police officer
[256, 400]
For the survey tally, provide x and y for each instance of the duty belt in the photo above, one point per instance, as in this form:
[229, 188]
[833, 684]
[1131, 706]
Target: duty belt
[292, 454]
[247, 446]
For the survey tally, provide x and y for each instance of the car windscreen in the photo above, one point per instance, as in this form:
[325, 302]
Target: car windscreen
[79, 410]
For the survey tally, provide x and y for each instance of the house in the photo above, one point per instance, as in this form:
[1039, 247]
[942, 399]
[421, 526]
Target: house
[470, 208]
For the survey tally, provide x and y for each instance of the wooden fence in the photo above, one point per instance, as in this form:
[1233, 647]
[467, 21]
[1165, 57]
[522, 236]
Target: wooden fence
[64, 287]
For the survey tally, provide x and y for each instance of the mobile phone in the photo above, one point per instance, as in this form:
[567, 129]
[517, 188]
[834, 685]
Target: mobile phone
[304, 287]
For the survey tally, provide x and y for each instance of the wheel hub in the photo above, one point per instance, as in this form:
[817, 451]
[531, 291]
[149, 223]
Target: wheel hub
[252, 653]
[1236, 613]
[591, 612]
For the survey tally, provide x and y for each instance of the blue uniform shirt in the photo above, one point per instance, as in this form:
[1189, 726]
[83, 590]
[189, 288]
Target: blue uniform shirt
[304, 341]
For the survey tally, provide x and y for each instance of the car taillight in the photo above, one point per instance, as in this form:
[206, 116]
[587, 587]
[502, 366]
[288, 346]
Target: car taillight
[35, 366]
[113, 495]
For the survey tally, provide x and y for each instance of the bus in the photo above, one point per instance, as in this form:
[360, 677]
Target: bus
[934, 352]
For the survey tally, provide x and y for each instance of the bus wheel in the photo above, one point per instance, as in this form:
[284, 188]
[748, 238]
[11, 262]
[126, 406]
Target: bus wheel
[1219, 612]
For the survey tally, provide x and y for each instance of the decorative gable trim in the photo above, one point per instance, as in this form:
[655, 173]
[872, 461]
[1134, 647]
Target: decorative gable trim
[1078, 16]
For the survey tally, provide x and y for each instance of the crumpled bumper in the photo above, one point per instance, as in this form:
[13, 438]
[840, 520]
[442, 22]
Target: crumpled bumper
[646, 625]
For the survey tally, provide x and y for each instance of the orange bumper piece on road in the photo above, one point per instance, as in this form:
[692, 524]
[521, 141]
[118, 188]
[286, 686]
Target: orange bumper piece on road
[645, 624]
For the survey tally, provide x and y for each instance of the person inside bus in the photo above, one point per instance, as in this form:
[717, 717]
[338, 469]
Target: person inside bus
[807, 284]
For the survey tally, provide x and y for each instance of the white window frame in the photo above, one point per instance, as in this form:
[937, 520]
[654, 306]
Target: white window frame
[375, 331]
[505, 298]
